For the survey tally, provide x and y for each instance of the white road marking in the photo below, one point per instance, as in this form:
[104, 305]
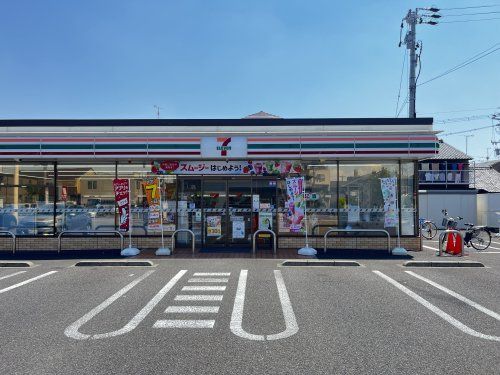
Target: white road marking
[487, 252]
[456, 295]
[291, 327]
[184, 324]
[198, 297]
[212, 274]
[26, 282]
[207, 280]
[204, 288]
[193, 309]
[493, 247]
[72, 330]
[456, 323]
[430, 247]
[12, 274]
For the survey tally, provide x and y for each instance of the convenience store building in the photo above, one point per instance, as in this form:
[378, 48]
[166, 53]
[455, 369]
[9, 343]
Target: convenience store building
[221, 178]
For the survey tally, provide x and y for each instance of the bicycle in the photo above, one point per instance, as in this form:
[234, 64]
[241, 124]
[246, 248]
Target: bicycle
[476, 236]
[428, 229]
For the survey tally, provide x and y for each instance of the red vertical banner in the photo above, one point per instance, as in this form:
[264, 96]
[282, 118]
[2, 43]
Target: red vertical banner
[122, 199]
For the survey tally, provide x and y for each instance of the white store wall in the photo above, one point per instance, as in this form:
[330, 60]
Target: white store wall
[460, 203]
[488, 209]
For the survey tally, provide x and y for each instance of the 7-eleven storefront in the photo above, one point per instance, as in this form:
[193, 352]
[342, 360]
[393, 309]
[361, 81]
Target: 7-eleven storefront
[222, 179]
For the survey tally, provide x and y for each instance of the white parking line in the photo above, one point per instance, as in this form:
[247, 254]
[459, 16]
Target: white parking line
[26, 282]
[456, 323]
[204, 288]
[456, 295]
[487, 252]
[430, 247]
[184, 324]
[12, 274]
[198, 297]
[291, 327]
[207, 280]
[212, 274]
[493, 247]
[72, 330]
[193, 309]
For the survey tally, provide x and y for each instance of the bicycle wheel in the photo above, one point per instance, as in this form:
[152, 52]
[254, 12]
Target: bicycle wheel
[429, 230]
[480, 239]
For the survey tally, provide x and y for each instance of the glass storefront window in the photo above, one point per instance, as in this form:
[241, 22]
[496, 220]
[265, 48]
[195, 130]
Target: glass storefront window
[360, 195]
[137, 173]
[27, 198]
[321, 184]
[85, 197]
[408, 198]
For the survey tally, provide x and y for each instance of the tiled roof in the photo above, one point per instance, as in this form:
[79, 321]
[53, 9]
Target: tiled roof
[487, 179]
[448, 152]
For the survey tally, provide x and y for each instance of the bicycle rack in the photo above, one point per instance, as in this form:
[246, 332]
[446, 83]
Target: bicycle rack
[88, 232]
[360, 230]
[13, 239]
[264, 231]
[186, 231]
[319, 226]
[443, 233]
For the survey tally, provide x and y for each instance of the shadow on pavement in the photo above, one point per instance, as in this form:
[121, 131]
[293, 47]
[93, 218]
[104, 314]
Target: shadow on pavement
[359, 254]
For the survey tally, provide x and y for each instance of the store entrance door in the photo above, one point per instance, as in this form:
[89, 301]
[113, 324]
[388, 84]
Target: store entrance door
[230, 210]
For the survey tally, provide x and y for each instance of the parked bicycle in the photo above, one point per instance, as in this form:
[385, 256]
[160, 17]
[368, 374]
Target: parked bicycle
[428, 229]
[476, 236]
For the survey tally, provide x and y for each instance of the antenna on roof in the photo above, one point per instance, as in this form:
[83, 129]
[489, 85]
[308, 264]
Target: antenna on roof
[157, 108]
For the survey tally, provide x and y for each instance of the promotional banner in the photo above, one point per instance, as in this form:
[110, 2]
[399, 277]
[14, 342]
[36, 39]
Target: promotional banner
[266, 220]
[236, 167]
[152, 192]
[296, 203]
[389, 194]
[238, 223]
[122, 199]
[214, 226]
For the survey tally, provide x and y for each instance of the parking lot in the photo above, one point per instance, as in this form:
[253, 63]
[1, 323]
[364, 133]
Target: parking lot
[251, 316]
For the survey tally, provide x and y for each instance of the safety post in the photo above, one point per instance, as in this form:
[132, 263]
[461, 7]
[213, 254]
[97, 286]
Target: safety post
[264, 231]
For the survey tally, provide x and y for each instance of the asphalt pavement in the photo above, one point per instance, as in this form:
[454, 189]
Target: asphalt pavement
[252, 316]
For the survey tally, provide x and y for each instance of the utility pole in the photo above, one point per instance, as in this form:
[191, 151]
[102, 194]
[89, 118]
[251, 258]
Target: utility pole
[411, 41]
[467, 142]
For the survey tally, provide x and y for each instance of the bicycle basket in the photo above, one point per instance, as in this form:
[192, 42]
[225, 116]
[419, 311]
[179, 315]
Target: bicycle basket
[445, 222]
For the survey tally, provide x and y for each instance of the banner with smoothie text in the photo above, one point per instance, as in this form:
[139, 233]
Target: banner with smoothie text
[152, 192]
[234, 167]
[389, 194]
[295, 204]
[122, 198]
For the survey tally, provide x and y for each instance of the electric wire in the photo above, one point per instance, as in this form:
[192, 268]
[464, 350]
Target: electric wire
[462, 119]
[463, 64]
[460, 110]
[473, 7]
[479, 19]
[403, 105]
[468, 131]
[401, 81]
[468, 14]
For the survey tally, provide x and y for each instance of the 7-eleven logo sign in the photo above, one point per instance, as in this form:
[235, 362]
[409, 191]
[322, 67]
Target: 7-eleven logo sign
[224, 145]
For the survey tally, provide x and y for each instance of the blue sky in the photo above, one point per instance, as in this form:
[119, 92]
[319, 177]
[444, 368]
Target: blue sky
[228, 59]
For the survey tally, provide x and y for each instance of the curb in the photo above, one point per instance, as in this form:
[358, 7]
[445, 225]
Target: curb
[133, 263]
[16, 264]
[319, 263]
[423, 263]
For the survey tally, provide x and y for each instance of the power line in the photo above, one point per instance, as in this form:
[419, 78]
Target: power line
[473, 7]
[463, 64]
[401, 81]
[472, 20]
[460, 110]
[468, 131]
[468, 14]
[462, 119]
[402, 106]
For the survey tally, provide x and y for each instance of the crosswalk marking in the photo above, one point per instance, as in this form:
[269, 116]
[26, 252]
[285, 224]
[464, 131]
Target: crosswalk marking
[184, 324]
[198, 297]
[193, 309]
[207, 280]
[12, 274]
[204, 288]
[212, 274]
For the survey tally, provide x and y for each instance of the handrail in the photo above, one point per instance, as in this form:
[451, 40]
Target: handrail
[441, 235]
[264, 231]
[183, 230]
[360, 230]
[319, 226]
[89, 232]
[13, 239]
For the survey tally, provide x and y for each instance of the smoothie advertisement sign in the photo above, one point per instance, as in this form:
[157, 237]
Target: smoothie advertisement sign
[296, 203]
[121, 187]
[237, 167]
